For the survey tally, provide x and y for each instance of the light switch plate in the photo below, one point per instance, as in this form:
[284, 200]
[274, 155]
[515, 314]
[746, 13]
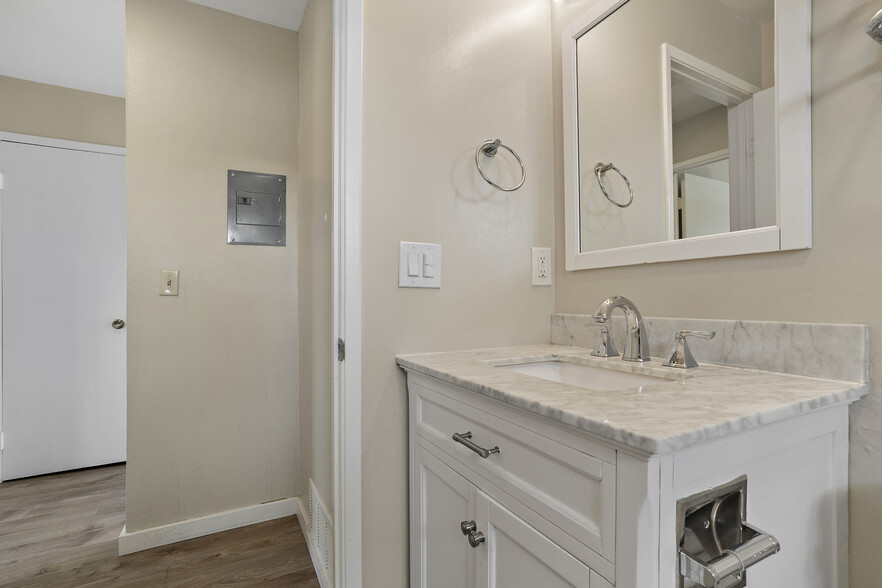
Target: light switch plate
[428, 265]
[541, 266]
[168, 282]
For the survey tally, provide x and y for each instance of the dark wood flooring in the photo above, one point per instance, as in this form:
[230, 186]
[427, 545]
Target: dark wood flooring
[62, 529]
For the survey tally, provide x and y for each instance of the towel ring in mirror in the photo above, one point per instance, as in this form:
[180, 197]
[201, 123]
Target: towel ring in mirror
[601, 169]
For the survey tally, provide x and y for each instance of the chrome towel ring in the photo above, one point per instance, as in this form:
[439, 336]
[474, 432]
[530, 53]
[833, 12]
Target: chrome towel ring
[489, 148]
[601, 169]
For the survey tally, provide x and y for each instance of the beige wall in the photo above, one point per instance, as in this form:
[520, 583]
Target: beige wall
[700, 135]
[837, 281]
[31, 108]
[440, 77]
[212, 373]
[315, 191]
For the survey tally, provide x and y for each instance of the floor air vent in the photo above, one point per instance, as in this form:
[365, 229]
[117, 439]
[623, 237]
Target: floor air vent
[321, 533]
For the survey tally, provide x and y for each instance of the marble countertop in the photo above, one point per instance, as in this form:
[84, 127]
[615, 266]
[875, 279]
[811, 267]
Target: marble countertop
[698, 405]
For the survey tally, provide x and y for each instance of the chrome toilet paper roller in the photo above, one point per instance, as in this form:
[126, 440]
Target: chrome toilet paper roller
[716, 545]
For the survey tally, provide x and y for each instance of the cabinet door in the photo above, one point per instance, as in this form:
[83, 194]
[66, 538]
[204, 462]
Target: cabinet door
[441, 500]
[515, 555]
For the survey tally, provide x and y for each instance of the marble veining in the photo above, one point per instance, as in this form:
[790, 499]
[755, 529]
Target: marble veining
[693, 406]
[836, 352]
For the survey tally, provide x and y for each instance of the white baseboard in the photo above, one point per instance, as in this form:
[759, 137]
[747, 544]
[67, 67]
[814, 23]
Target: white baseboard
[323, 579]
[192, 528]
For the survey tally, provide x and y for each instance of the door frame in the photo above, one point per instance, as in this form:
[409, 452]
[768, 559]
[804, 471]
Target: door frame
[347, 505]
[6, 137]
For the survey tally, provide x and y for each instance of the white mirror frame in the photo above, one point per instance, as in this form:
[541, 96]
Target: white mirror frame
[793, 153]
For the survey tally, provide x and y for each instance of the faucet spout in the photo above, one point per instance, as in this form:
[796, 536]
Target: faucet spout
[637, 340]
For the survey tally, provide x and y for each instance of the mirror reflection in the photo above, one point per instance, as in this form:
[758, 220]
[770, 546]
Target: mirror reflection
[677, 97]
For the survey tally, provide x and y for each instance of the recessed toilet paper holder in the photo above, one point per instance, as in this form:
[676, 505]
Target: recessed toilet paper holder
[716, 545]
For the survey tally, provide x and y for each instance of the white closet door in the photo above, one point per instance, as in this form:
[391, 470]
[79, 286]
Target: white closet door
[63, 228]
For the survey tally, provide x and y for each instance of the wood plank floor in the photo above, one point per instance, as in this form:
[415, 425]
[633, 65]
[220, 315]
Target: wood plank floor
[62, 529]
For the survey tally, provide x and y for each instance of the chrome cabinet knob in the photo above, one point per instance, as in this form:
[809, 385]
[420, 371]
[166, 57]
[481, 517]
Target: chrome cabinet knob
[467, 527]
[118, 324]
[476, 539]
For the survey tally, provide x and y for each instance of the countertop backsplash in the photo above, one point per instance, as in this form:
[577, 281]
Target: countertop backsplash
[838, 352]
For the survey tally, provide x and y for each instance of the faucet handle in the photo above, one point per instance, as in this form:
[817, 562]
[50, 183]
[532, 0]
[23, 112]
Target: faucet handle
[680, 356]
[701, 334]
[605, 346]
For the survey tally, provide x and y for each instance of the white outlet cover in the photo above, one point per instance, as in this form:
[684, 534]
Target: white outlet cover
[541, 256]
[168, 282]
[425, 279]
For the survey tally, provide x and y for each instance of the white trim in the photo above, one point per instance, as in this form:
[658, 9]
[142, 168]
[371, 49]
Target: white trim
[667, 108]
[61, 143]
[722, 245]
[701, 160]
[347, 293]
[793, 113]
[705, 79]
[41, 142]
[323, 580]
[199, 527]
[793, 152]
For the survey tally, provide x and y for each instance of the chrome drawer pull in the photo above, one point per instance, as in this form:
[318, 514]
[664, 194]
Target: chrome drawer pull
[464, 439]
[467, 527]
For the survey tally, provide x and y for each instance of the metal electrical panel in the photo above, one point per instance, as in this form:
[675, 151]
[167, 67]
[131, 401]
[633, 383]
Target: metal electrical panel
[255, 208]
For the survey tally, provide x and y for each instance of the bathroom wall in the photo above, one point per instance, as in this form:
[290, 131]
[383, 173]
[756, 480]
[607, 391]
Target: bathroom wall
[441, 77]
[702, 134]
[837, 281]
[43, 110]
[212, 373]
[315, 277]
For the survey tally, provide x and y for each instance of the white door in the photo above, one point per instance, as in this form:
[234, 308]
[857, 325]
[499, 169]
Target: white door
[63, 229]
[442, 501]
[515, 555]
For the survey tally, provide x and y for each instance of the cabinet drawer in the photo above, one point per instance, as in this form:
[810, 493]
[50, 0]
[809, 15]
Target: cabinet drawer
[559, 481]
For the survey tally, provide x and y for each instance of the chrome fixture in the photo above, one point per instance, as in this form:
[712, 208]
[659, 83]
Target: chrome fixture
[118, 324]
[601, 169]
[464, 439]
[469, 528]
[489, 149]
[636, 341]
[716, 545]
[679, 356]
[874, 27]
[605, 346]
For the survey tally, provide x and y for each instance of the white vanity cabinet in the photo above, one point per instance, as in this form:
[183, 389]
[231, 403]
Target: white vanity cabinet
[545, 504]
[508, 551]
[559, 506]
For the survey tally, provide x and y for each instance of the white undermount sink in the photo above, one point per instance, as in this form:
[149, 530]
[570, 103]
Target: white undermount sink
[584, 376]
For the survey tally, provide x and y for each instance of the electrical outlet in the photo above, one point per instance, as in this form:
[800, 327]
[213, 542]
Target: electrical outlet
[541, 266]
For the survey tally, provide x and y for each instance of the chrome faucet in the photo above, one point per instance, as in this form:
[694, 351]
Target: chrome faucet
[637, 341]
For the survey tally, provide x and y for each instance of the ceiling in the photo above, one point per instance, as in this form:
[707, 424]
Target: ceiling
[80, 45]
[281, 13]
[685, 103]
[760, 12]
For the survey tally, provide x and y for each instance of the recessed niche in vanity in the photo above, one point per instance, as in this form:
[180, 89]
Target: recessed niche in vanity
[551, 484]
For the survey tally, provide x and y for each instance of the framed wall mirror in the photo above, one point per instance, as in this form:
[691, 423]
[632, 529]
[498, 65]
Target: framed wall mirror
[687, 130]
